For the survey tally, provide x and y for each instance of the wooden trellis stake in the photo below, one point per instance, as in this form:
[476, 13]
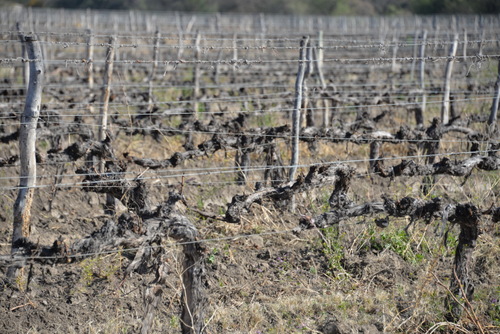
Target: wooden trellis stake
[296, 108]
[445, 108]
[27, 142]
[153, 70]
[419, 114]
[492, 120]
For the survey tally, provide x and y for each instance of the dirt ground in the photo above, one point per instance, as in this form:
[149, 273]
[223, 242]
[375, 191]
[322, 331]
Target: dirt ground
[350, 279]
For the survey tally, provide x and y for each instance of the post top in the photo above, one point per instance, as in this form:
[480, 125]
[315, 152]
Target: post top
[30, 38]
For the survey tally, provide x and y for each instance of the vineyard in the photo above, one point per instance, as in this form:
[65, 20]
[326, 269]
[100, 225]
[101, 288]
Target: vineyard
[212, 173]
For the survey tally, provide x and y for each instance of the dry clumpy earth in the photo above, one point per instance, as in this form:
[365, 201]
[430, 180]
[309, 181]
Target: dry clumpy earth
[354, 278]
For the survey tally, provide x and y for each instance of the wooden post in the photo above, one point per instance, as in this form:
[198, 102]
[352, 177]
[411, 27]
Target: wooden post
[90, 57]
[419, 114]
[296, 108]
[235, 51]
[466, 63]
[153, 69]
[30, 18]
[492, 120]
[395, 48]
[415, 49]
[27, 141]
[218, 28]
[181, 35]
[103, 117]
[196, 72]
[263, 28]
[319, 56]
[445, 108]
[26, 65]
[309, 119]
[481, 42]
[108, 74]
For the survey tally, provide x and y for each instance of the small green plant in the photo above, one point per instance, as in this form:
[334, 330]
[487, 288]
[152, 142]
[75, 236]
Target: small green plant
[332, 248]
[100, 267]
[399, 242]
[265, 120]
[174, 321]
[212, 256]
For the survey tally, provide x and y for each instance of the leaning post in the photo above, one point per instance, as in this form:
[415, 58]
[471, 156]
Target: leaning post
[103, 117]
[27, 142]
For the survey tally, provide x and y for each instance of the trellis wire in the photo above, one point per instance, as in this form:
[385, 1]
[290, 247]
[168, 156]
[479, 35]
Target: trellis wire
[235, 169]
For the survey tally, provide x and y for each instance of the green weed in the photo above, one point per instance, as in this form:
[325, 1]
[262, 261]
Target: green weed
[332, 248]
[399, 242]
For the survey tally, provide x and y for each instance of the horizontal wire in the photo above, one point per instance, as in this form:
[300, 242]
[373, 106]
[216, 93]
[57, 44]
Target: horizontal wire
[265, 45]
[181, 110]
[242, 61]
[90, 184]
[396, 92]
[227, 150]
[234, 85]
[340, 139]
[343, 109]
[257, 35]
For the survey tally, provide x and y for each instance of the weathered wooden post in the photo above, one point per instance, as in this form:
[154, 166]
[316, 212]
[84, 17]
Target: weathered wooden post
[419, 113]
[395, 48]
[445, 108]
[103, 117]
[218, 29]
[466, 63]
[296, 116]
[263, 28]
[296, 108]
[309, 117]
[235, 51]
[196, 73]
[492, 120]
[90, 57]
[106, 90]
[415, 48]
[181, 35]
[27, 141]
[321, 103]
[153, 69]
[319, 57]
[26, 65]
